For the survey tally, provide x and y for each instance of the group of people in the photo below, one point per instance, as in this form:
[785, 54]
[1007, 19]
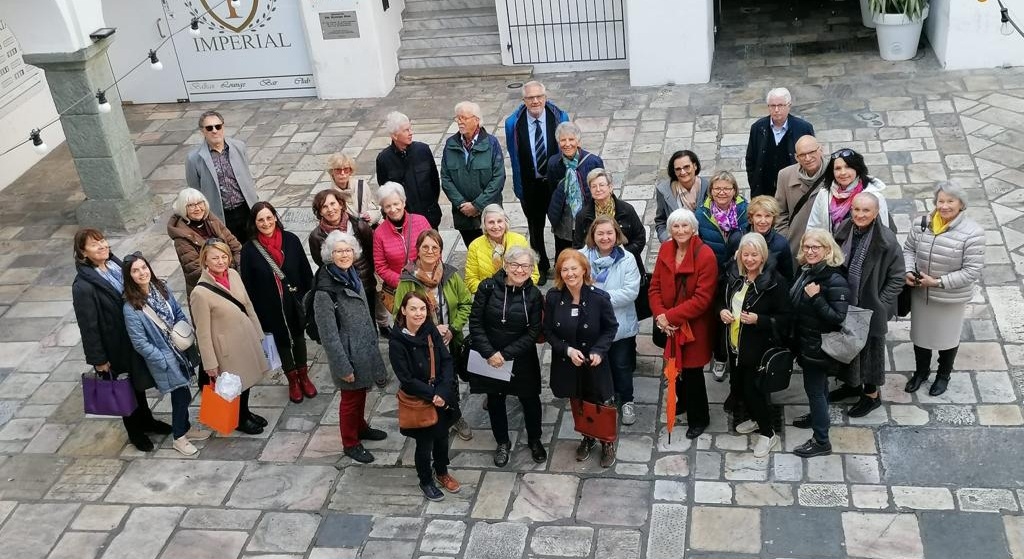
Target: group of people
[733, 278]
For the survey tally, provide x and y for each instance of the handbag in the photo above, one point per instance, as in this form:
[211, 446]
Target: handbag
[643, 300]
[105, 394]
[216, 412]
[415, 412]
[775, 370]
[599, 421]
[181, 335]
[844, 345]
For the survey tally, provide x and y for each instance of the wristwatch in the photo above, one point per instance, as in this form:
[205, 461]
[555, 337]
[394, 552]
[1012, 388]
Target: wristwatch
[941, 286]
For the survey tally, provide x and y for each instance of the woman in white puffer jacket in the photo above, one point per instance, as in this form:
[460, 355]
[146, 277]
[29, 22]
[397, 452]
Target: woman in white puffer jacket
[944, 254]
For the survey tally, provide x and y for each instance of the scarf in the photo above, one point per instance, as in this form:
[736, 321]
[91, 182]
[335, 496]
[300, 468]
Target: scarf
[686, 198]
[855, 251]
[939, 225]
[573, 193]
[327, 227]
[113, 275]
[603, 264]
[808, 181]
[841, 201]
[350, 276]
[605, 208]
[222, 279]
[727, 218]
[200, 228]
[273, 245]
[160, 305]
[431, 280]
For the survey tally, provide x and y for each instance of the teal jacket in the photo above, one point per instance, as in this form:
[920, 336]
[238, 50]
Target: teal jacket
[478, 178]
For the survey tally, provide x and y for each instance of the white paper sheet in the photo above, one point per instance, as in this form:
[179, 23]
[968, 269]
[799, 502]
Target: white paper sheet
[478, 365]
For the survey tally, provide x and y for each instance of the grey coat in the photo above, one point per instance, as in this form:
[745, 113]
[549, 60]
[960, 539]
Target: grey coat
[347, 332]
[667, 203]
[202, 175]
[955, 256]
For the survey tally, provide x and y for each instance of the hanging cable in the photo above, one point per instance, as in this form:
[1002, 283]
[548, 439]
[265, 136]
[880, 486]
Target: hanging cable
[1008, 26]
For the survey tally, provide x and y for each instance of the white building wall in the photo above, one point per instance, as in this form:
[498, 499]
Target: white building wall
[966, 34]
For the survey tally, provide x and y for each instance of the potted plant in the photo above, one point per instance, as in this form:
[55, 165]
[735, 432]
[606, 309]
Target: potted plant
[898, 24]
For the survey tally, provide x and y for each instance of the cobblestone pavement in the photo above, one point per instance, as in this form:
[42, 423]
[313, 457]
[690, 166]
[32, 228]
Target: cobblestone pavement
[919, 477]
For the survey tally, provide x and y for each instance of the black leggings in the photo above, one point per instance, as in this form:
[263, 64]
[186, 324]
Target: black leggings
[431, 446]
[499, 416]
[755, 400]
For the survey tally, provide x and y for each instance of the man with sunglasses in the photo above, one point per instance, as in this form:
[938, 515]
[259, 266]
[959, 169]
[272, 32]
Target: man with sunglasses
[219, 168]
[772, 142]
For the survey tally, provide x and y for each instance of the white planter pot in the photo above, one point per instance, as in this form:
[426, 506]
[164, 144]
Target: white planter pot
[866, 16]
[898, 36]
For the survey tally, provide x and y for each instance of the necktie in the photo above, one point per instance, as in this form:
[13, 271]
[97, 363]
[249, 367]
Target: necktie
[540, 150]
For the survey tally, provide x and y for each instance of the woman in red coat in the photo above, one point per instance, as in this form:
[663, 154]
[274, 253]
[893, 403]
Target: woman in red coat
[682, 292]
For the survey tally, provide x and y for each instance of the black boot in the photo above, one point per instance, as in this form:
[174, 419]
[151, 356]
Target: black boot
[922, 361]
[946, 358]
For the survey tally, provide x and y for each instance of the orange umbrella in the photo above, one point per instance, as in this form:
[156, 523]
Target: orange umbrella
[683, 335]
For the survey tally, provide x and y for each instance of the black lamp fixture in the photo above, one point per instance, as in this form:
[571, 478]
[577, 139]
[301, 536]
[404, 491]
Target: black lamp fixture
[102, 33]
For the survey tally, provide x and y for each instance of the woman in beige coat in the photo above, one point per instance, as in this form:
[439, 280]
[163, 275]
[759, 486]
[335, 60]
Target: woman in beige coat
[227, 329]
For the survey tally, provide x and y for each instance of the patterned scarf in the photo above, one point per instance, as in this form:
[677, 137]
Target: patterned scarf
[841, 201]
[855, 251]
[430, 279]
[605, 208]
[603, 264]
[160, 305]
[727, 219]
[341, 226]
[573, 193]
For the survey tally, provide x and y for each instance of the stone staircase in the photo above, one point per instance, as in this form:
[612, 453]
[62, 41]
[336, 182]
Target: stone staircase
[451, 38]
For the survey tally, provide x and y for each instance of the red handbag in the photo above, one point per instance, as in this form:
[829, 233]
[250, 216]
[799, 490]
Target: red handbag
[599, 421]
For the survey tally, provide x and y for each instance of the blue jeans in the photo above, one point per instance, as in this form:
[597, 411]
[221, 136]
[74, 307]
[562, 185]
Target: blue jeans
[622, 360]
[181, 397]
[816, 386]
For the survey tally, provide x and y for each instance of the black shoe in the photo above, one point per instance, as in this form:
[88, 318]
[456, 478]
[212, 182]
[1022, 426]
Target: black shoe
[939, 386]
[543, 278]
[915, 382]
[431, 492]
[141, 442]
[813, 448]
[258, 419]
[371, 434]
[803, 422]
[845, 391]
[864, 406]
[249, 427]
[695, 431]
[359, 454]
[501, 455]
[537, 451]
[158, 427]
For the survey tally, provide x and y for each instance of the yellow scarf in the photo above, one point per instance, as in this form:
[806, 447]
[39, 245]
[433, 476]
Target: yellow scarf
[605, 208]
[939, 225]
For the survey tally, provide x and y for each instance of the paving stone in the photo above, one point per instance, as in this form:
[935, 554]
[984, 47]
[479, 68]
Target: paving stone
[861, 468]
[544, 497]
[29, 477]
[922, 498]
[618, 544]
[870, 496]
[676, 465]
[882, 536]
[715, 492]
[181, 482]
[87, 479]
[665, 538]
[764, 494]
[144, 533]
[853, 440]
[344, 530]
[94, 438]
[745, 467]
[101, 518]
[736, 530]
[284, 532]
[284, 446]
[220, 519]
[667, 490]
[562, 541]
[634, 448]
[998, 449]
[994, 386]
[792, 532]
[33, 529]
[908, 415]
[823, 495]
[614, 502]
[378, 491]
[1000, 414]
[495, 492]
[380, 549]
[282, 487]
[76, 545]
[205, 544]
[948, 535]
[1014, 526]
[986, 500]
[402, 528]
[500, 540]
[787, 467]
[709, 465]
[445, 536]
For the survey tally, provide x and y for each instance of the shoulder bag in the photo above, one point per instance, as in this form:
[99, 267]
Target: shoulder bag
[596, 420]
[181, 335]
[643, 299]
[105, 394]
[225, 295]
[844, 345]
[415, 412]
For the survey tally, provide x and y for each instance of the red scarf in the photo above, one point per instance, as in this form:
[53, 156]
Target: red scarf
[222, 279]
[273, 245]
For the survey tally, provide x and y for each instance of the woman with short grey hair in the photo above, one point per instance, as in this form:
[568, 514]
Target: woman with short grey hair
[350, 340]
[944, 254]
[567, 176]
[394, 243]
[191, 224]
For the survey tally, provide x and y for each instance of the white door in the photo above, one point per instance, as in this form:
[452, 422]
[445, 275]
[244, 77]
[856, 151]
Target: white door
[142, 25]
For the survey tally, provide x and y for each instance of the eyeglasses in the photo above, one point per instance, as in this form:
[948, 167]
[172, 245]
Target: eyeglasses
[430, 248]
[343, 251]
[778, 107]
[683, 168]
[195, 205]
[517, 267]
[347, 170]
[845, 152]
[722, 189]
[534, 98]
[461, 118]
[813, 248]
[807, 154]
[212, 127]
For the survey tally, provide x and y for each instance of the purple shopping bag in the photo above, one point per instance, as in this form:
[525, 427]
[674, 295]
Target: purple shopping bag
[105, 396]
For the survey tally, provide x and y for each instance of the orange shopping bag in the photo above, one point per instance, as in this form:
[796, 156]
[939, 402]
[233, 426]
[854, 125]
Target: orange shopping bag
[216, 412]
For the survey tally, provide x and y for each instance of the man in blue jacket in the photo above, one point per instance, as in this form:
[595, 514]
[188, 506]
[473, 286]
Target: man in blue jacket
[530, 134]
[772, 143]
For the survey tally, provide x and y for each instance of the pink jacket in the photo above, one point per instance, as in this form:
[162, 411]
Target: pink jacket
[392, 251]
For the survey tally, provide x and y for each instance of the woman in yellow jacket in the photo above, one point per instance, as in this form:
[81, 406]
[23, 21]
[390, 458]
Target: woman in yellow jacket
[485, 254]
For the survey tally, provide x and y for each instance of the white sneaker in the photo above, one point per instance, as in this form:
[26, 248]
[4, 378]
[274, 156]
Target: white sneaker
[748, 426]
[718, 370]
[628, 414]
[184, 446]
[764, 445]
[198, 434]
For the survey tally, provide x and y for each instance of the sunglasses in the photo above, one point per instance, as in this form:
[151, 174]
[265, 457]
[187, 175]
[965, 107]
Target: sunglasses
[212, 127]
[213, 241]
[132, 257]
[846, 152]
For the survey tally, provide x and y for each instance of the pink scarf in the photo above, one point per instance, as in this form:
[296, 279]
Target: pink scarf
[841, 201]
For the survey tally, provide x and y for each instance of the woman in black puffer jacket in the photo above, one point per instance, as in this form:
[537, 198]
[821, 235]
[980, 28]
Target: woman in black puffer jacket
[820, 297]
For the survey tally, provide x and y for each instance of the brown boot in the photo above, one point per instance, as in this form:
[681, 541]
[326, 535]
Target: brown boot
[308, 388]
[294, 390]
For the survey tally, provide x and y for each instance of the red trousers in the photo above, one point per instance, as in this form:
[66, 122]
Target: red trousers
[352, 416]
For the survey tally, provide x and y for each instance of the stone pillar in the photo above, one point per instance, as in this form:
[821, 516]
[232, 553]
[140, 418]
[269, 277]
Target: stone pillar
[103, 152]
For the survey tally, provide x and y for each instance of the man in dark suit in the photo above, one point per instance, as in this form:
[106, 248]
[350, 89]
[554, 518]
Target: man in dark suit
[530, 134]
[772, 143]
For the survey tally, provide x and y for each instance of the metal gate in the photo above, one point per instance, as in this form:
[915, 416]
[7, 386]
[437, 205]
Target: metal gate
[551, 31]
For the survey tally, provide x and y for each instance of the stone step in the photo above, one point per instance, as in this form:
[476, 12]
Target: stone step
[412, 6]
[448, 19]
[460, 73]
[449, 56]
[454, 37]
